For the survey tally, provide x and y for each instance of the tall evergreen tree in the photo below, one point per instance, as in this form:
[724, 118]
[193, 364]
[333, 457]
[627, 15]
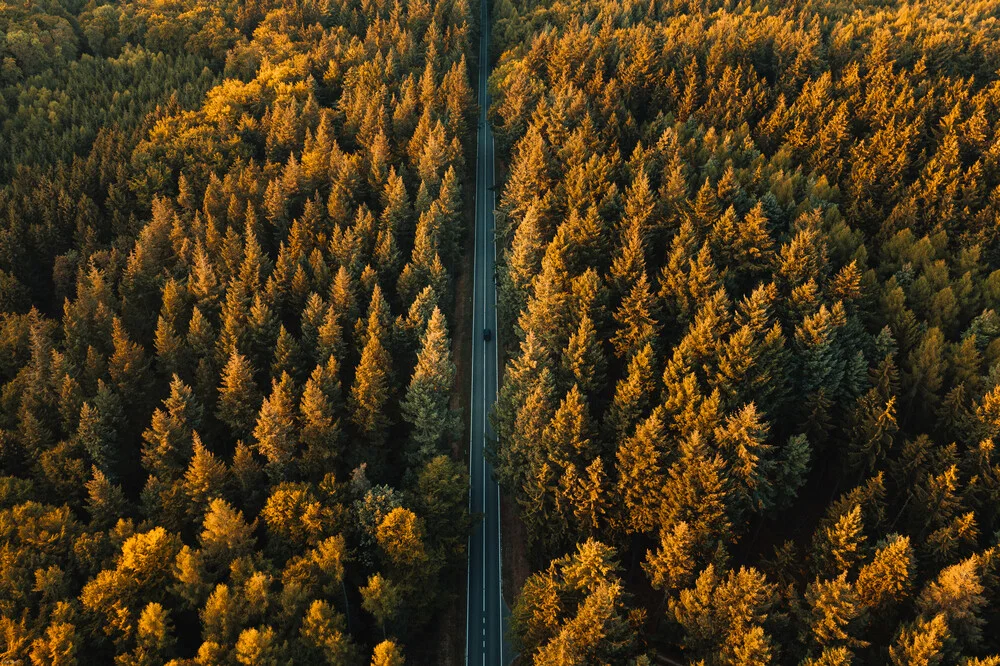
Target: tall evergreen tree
[275, 431]
[426, 406]
[239, 397]
[371, 389]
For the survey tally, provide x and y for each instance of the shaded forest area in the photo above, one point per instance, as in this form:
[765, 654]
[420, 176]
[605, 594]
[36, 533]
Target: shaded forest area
[228, 236]
[750, 258]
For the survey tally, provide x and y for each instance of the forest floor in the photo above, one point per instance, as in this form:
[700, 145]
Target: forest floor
[514, 546]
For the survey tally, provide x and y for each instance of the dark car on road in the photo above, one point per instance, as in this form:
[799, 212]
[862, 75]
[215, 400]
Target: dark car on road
[487, 335]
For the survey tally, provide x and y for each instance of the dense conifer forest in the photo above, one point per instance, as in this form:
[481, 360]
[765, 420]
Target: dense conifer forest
[749, 295]
[750, 268]
[229, 235]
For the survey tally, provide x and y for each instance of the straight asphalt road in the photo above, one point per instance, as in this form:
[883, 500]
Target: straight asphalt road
[484, 609]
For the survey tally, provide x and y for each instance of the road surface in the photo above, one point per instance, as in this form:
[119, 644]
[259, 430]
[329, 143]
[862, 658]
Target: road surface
[484, 610]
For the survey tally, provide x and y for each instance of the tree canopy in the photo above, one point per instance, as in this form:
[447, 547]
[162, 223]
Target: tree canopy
[748, 256]
[229, 233]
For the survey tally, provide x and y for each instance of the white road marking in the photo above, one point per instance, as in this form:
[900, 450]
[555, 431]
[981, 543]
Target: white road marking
[484, 175]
